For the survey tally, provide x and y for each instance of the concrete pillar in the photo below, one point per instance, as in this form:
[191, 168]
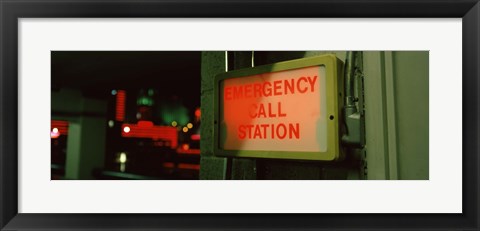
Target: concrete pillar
[211, 167]
[72, 161]
[85, 148]
[92, 146]
[86, 132]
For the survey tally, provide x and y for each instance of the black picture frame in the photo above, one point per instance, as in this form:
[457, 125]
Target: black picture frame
[11, 11]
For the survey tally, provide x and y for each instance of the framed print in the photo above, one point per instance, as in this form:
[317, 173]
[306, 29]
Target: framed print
[279, 90]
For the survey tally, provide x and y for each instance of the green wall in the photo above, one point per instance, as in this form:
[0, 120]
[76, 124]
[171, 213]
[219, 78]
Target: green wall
[396, 118]
[411, 100]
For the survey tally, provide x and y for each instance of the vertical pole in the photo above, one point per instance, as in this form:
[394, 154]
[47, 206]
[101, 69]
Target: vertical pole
[375, 119]
[72, 162]
[211, 166]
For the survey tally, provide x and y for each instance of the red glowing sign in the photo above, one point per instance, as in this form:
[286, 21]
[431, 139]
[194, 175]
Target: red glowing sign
[146, 129]
[195, 137]
[198, 113]
[277, 111]
[145, 124]
[284, 110]
[120, 105]
[57, 128]
[189, 151]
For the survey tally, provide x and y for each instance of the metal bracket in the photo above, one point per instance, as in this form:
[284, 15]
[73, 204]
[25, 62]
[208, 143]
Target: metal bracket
[354, 124]
[353, 117]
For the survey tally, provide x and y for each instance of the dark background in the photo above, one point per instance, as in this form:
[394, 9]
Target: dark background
[98, 72]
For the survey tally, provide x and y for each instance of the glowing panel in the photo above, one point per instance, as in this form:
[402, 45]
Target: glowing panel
[281, 111]
[195, 137]
[60, 125]
[285, 110]
[151, 131]
[145, 124]
[120, 105]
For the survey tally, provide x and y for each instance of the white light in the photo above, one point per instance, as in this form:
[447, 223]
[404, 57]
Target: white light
[126, 129]
[123, 157]
[54, 135]
[111, 123]
[55, 130]
[189, 125]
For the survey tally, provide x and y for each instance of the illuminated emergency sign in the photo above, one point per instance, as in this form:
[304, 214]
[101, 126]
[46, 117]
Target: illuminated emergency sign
[286, 110]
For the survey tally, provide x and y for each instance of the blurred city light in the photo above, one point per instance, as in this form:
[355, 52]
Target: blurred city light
[123, 157]
[185, 146]
[54, 133]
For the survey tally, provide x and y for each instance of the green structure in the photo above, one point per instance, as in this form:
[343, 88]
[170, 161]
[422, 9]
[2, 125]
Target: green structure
[86, 142]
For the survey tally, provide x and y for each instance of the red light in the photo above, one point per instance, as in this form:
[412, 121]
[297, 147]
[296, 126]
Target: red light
[195, 137]
[198, 113]
[168, 165]
[185, 146]
[189, 151]
[189, 166]
[144, 123]
[54, 135]
[58, 127]
[167, 133]
[120, 105]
